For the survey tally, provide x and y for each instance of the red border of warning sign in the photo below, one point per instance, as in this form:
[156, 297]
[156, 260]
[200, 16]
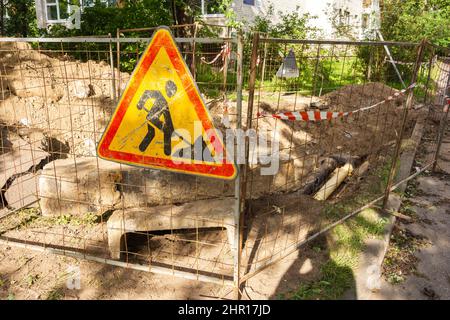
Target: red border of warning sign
[163, 38]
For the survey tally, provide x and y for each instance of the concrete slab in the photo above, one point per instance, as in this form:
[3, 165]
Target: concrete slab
[192, 215]
[77, 186]
[23, 191]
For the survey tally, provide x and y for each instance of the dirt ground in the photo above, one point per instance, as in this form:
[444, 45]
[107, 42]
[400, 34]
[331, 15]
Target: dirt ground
[422, 270]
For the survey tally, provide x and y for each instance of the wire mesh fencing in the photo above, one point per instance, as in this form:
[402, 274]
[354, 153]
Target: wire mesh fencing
[339, 113]
[316, 127]
[58, 96]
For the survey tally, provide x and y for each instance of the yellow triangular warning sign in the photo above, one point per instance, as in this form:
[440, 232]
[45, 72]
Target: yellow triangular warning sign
[161, 121]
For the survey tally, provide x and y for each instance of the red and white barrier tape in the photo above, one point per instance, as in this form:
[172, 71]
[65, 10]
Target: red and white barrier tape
[328, 115]
[223, 54]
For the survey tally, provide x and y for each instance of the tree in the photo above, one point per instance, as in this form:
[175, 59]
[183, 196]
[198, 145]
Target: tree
[413, 20]
[3, 4]
[21, 19]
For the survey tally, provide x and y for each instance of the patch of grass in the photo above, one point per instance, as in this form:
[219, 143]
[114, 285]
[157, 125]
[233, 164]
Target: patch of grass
[31, 279]
[32, 218]
[336, 275]
[55, 294]
[336, 278]
[27, 216]
[11, 296]
[88, 219]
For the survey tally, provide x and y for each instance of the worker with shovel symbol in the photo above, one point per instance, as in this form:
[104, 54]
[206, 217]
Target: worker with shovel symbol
[160, 108]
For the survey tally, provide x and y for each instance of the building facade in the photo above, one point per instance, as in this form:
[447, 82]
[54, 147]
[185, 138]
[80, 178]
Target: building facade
[356, 19]
[64, 12]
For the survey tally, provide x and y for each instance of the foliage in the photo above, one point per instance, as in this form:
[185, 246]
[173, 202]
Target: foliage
[22, 18]
[413, 20]
[104, 20]
[292, 25]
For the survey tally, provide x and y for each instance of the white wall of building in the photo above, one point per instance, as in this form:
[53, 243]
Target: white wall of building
[324, 11]
[361, 16]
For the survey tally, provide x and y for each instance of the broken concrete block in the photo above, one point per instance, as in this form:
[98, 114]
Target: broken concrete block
[192, 215]
[23, 191]
[17, 158]
[76, 186]
[144, 187]
[74, 189]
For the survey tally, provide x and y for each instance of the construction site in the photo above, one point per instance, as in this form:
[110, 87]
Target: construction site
[348, 119]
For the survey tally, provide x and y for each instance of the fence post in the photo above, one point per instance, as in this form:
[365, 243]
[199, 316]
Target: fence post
[118, 62]
[225, 61]
[113, 73]
[443, 122]
[241, 184]
[193, 71]
[237, 185]
[427, 85]
[408, 104]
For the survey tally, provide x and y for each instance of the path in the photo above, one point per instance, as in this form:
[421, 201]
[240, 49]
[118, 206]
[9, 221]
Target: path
[431, 204]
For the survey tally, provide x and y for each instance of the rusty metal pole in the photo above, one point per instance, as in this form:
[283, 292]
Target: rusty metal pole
[244, 167]
[118, 62]
[113, 73]
[193, 66]
[443, 123]
[263, 68]
[225, 62]
[430, 66]
[408, 104]
[237, 189]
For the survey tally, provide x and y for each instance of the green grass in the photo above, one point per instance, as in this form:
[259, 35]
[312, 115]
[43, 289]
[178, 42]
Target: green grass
[31, 217]
[346, 241]
[56, 294]
[336, 275]
[331, 75]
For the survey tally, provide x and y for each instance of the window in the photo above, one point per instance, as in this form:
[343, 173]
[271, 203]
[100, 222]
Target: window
[60, 10]
[57, 10]
[91, 3]
[211, 7]
[344, 17]
[365, 21]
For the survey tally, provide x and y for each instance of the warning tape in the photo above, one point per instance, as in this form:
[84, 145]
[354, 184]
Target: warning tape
[327, 115]
[224, 53]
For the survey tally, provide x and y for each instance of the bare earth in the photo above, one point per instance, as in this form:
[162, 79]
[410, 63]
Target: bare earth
[431, 280]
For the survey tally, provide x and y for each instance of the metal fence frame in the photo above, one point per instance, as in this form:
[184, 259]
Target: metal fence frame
[242, 180]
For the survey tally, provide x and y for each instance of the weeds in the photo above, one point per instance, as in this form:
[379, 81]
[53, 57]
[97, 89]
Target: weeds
[400, 260]
[31, 279]
[55, 294]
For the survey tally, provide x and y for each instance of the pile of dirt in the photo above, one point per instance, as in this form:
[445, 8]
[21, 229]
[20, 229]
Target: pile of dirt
[355, 96]
[60, 97]
[363, 133]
